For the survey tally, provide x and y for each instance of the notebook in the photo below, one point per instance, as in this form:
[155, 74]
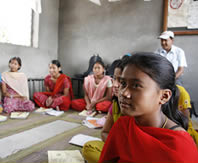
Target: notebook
[91, 122]
[81, 139]
[3, 118]
[49, 111]
[66, 156]
[54, 112]
[19, 115]
[42, 110]
[85, 113]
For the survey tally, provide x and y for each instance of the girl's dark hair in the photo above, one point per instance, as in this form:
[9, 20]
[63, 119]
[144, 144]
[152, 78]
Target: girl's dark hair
[162, 72]
[100, 62]
[119, 62]
[57, 63]
[18, 59]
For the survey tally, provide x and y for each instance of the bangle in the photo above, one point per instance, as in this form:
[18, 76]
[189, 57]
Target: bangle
[11, 96]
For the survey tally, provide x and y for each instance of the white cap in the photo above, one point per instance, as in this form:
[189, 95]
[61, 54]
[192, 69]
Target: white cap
[166, 34]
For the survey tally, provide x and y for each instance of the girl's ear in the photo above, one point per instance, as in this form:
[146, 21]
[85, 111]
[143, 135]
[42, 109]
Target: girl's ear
[165, 96]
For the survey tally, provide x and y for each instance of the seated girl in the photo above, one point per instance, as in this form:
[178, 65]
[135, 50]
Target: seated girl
[15, 88]
[58, 87]
[153, 129]
[91, 150]
[97, 89]
[184, 105]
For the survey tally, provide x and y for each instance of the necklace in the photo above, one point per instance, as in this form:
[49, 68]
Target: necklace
[166, 120]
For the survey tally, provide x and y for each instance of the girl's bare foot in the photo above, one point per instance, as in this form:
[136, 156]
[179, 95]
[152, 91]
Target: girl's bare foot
[57, 108]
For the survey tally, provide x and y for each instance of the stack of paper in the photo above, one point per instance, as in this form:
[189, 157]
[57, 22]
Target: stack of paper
[91, 122]
[3, 118]
[67, 156]
[86, 113]
[81, 139]
[54, 112]
[19, 115]
[49, 111]
[42, 110]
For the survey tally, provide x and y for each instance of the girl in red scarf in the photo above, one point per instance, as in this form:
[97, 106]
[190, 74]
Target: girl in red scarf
[58, 86]
[153, 129]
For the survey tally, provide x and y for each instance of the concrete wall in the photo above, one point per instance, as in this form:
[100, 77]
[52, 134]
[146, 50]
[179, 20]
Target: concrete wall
[35, 60]
[114, 29]
[110, 30]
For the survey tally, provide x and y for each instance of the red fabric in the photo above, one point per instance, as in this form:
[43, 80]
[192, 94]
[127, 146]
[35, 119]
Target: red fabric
[103, 106]
[80, 104]
[59, 84]
[57, 93]
[131, 143]
[65, 104]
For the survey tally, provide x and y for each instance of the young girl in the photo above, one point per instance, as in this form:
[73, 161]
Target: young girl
[58, 87]
[15, 88]
[153, 129]
[91, 150]
[97, 89]
[184, 105]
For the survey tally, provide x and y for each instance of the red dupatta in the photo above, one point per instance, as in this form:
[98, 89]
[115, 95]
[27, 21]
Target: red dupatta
[129, 142]
[59, 83]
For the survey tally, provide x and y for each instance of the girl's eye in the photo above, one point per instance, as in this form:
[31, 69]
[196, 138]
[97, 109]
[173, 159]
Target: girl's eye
[135, 85]
[123, 83]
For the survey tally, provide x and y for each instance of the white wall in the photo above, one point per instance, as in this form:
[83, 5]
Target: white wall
[35, 60]
[114, 29]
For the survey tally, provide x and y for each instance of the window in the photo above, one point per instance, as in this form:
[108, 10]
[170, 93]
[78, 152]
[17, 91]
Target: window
[16, 25]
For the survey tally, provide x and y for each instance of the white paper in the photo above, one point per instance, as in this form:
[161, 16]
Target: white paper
[54, 112]
[97, 2]
[177, 17]
[99, 122]
[81, 139]
[85, 113]
[193, 15]
[49, 111]
[19, 115]
[113, 0]
[89, 125]
[42, 110]
[3, 118]
[67, 156]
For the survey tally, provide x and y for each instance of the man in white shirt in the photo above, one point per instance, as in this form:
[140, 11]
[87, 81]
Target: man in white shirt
[174, 54]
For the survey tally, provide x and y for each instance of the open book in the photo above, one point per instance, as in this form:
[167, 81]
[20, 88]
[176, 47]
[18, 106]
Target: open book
[3, 118]
[54, 112]
[81, 139]
[86, 113]
[49, 111]
[42, 110]
[19, 115]
[67, 156]
[91, 122]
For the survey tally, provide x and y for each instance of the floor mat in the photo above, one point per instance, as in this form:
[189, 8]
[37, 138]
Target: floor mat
[14, 143]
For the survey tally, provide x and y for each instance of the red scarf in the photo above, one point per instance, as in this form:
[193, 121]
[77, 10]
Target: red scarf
[129, 142]
[58, 85]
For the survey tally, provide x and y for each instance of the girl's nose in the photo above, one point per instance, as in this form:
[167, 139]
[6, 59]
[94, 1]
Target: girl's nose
[116, 84]
[125, 92]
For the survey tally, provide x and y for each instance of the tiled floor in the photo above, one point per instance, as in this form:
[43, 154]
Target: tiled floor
[38, 152]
